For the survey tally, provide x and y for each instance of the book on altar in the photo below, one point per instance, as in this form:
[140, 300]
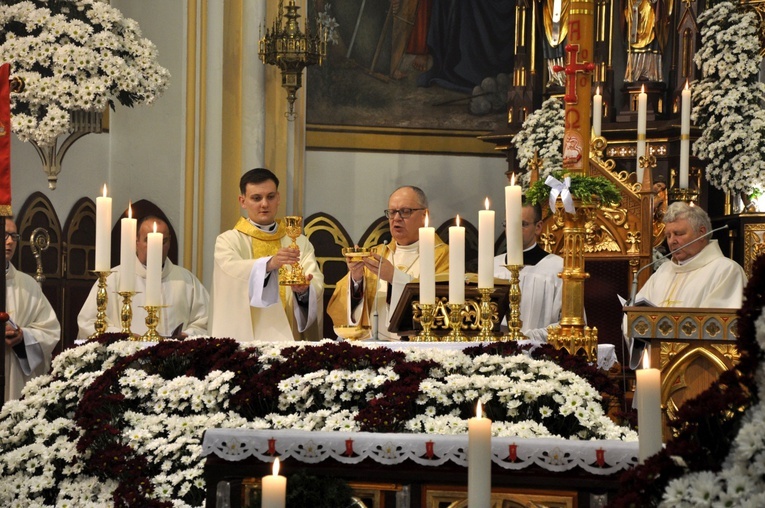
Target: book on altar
[640, 302]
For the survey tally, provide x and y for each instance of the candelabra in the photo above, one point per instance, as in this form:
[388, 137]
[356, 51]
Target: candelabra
[152, 321]
[102, 298]
[514, 323]
[126, 314]
[423, 313]
[456, 311]
[489, 316]
[287, 47]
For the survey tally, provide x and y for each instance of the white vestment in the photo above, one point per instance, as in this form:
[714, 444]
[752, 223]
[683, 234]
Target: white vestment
[246, 304]
[184, 301]
[541, 291]
[708, 280]
[30, 310]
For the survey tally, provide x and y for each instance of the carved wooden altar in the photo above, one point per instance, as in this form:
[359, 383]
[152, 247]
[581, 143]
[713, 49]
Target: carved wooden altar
[691, 348]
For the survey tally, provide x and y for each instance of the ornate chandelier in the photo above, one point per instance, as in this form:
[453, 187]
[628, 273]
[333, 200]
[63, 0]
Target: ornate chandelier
[285, 46]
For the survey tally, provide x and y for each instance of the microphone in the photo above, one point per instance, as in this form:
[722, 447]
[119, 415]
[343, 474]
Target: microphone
[633, 292]
[375, 316]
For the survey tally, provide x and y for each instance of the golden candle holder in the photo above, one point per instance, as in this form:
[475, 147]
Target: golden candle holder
[126, 314]
[489, 316]
[423, 313]
[152, 321]
[456, 311]
[102, 298]
[292, 275]
[514, 322]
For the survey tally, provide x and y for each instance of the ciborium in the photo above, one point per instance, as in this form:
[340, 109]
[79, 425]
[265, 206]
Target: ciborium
[292, 275]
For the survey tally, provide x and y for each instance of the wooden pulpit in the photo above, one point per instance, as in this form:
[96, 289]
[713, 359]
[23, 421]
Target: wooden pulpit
[690, 346]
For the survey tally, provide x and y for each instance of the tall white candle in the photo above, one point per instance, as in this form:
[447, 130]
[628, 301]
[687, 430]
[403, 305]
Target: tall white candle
[641, 130]
[648, 393]
[597, 111]
[274, 489]
[427, 264]
[685, 136]
[154, 269]
[457, 263]
[479, 461]
[486, 247]
[127, 252]
[103, 233]
[513, 228]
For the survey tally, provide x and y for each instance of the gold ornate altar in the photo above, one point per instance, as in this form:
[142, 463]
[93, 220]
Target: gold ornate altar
[691, 348]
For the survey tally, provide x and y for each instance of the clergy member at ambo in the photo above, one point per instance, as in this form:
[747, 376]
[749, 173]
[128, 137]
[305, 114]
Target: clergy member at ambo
[699, 275]
[360, 295]
[33, 330]
[248, 303]
[185, 300]
[541, 287]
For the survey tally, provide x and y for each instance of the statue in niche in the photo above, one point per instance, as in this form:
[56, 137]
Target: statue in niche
[554, 26]
[647, 25]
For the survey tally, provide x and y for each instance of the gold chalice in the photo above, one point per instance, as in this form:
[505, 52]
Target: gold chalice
[353, 332]
[356, 253]
[292, 275]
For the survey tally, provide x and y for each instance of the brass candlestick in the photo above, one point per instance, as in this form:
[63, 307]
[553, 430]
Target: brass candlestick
[456, 311]
[423, 314]
[152, 321]
[514, 322]
[293, 275]
[489, 316]
[126, 315]
[102, 298]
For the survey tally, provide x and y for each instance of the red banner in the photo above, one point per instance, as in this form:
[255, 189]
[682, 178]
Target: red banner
[5, 140]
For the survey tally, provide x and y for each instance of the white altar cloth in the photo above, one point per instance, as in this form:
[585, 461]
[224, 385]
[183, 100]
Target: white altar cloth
[606, 352]
[599, 457]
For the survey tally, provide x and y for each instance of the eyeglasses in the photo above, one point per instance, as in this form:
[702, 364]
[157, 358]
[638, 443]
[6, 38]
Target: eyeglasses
[404, 213]
[13, 236]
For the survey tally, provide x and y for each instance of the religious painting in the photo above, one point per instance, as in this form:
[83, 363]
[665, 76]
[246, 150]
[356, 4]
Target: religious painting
[411, 75]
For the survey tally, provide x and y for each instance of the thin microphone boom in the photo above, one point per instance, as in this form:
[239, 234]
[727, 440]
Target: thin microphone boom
[635, 278]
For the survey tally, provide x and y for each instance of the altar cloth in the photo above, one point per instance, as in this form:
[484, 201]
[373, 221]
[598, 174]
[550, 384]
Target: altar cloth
[598, 457]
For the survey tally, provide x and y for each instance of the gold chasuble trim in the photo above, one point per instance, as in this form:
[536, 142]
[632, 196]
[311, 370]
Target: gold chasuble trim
[265, 244]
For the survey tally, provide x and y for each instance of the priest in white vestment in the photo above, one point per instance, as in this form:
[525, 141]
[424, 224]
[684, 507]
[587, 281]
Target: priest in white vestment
[33, 330]
[184, 303]
[541, 287]
[248, 302]
[361, 296]
[698, 275]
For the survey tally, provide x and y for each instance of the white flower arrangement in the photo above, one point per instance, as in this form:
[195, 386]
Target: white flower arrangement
[728, 99]
[74, 55]
[158, 419]
[541, 133]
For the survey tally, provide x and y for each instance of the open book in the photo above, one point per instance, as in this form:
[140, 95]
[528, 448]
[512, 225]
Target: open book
[640, 302]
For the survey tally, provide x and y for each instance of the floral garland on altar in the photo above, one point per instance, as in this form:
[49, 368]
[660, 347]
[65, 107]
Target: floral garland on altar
[118, 422]
[728, 99]
[73, 55]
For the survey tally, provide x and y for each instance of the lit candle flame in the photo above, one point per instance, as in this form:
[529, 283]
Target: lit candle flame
[130, 210]
[512, 179]
[642, 88]
[478, 413]
[487, 202]
[458, 220]
[155, 226]
[276, 467]
[104, 190]
[687, 86]
[427, 219]
[597, 90]
[646, 360]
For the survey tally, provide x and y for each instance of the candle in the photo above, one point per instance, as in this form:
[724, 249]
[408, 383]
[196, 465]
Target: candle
[479, 461]
[427, 264]
[127, 252]
[685, 135]
[597, 111]
[103, 232]
[457, 264]
[274, 489]
[486, 247]
[154, 269]
[642, 105]
[648, 393]
[513, 228]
